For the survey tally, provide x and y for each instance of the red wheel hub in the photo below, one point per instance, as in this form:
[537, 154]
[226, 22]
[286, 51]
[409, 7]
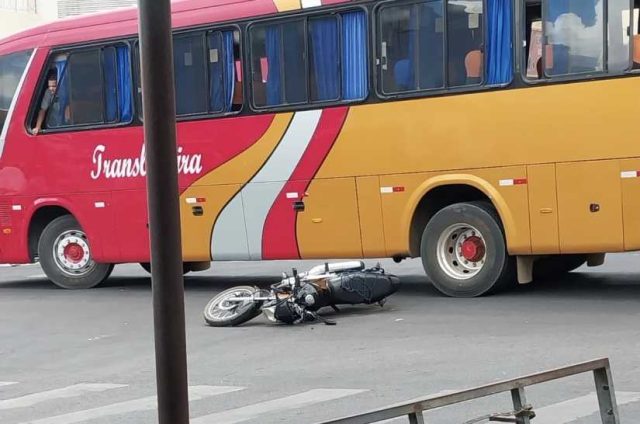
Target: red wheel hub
[74, 252]
[473, 249]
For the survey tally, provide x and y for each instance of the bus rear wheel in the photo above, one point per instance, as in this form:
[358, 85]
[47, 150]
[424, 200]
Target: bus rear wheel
[65, 256]
[464, 251]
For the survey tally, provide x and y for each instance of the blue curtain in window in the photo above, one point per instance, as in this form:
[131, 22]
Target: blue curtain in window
[216, 73]
[229, 70]
[111, 86]
[498, 60]
[354, 56]
[125, 96]
[325, 58]
[272, 46]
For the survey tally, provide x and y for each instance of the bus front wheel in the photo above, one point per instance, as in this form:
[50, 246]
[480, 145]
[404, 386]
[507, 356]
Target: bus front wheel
[464, 251]
[65, 256]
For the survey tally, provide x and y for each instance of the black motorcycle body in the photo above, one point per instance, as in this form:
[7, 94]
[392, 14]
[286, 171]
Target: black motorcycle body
[298, 298]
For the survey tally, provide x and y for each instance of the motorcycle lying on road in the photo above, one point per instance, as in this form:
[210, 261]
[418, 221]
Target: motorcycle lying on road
[297, 298]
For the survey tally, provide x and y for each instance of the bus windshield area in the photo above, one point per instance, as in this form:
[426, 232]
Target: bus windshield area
[12, 68]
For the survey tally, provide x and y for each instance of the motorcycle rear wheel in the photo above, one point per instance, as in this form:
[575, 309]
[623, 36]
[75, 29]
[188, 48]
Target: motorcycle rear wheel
[219, 313]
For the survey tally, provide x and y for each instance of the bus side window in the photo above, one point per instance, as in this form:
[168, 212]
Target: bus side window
[464, 42]
[225, 72]
[79, 98]
[412, 49]
[635, 39]
[190, 74]
[338, 57]
[574, 33]
[279, 63]
[90, 87]
[623, 36]
[533, 45]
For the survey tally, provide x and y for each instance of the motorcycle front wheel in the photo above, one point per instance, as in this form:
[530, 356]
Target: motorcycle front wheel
[221, 312]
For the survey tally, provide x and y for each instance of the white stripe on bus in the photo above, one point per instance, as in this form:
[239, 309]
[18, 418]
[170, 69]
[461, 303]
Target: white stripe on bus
[629, 174]
[248, 210]
[311, 3]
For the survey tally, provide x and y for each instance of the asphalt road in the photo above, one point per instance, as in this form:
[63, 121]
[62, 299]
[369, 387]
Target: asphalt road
[87, 356]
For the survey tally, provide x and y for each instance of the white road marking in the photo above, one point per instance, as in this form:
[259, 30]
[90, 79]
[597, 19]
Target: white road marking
[137, 405]
[66, 392]
[403, 419]
[100, 337]
[572, 409]
[37, 276]
[7, 383]
[300, 400]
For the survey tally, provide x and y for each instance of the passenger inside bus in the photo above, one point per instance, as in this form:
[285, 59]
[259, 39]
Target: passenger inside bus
[50, 106]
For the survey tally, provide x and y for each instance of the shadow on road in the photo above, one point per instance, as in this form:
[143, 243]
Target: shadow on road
[579, 285]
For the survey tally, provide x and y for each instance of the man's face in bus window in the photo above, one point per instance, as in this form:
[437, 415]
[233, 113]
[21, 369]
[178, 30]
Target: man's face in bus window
[53, 84]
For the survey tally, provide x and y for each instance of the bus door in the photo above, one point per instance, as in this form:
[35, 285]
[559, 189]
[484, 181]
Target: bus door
[630, 178]
[590, 206]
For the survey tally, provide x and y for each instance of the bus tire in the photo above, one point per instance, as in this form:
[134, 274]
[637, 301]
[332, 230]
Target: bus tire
[557, 265]
[464, 251]
[65, 256]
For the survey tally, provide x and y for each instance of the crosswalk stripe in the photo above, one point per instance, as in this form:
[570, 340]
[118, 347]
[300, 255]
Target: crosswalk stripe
[403, 419]
[7, 383]
[300, 400]
[66, 392]
[572, 409]
[137, 405]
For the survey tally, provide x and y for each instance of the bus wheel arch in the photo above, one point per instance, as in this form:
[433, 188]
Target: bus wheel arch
[439, 192]
[38, 222]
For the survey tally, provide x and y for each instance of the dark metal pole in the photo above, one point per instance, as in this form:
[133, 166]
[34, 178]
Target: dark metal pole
[156, 53]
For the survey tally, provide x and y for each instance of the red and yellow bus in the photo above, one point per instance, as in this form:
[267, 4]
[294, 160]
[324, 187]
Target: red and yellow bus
[495, 139]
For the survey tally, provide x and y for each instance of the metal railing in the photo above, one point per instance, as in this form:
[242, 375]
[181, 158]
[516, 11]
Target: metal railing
[522, 413]
[30, 6]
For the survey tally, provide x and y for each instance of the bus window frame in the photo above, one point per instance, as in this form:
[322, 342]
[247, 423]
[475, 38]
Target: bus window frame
[306, 15]
[441, 91]
[36, 99]
[566, 78]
